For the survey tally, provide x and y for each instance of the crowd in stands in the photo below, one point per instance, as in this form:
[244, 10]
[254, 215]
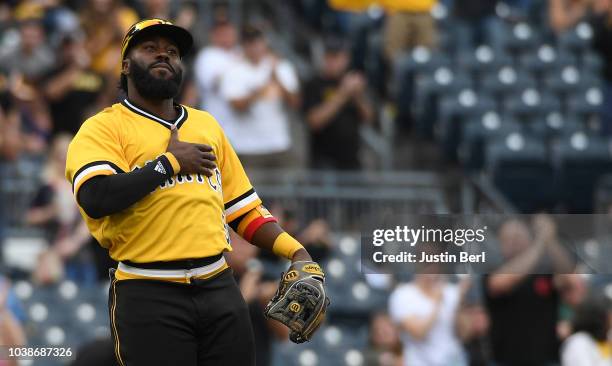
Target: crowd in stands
[293, 84]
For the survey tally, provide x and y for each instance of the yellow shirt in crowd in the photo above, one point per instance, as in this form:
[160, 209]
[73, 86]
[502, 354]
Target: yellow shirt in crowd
[388, 5]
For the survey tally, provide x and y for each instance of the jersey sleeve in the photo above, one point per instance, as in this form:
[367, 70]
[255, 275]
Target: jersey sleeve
[239, 196]
[95, 150]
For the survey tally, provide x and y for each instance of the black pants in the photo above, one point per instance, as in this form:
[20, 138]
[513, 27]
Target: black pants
[204, 323]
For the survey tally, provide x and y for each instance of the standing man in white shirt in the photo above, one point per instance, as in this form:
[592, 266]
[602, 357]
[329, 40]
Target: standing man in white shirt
[260, 87]
[425, 311]
[211, 63]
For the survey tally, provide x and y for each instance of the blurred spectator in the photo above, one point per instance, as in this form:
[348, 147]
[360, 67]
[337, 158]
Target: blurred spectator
[573, 289]
[256, 292]
[105, 22]
[336, 105]
[602, 33]
[564, 14]
[72, 88]
[11, 331]
[426, 312]
[31, 57]
[523, 306]
[409, 24]
[385, 348]
[316, 237]
[156, 9]
[588, 345]
[211, 63]
[259, 88]
[54, 209]
[10, 145]
[474, 332]
[313, 233]
[185, 14]
[476, 15]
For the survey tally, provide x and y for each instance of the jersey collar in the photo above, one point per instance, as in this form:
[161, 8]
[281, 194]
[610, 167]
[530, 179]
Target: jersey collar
[178, 122]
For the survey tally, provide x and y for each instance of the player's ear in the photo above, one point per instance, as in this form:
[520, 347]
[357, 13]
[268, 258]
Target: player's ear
[125, 66]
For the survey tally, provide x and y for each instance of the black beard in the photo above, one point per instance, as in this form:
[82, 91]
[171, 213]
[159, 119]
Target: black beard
[151, 87]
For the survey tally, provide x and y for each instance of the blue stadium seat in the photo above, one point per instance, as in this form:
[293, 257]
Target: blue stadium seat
[521, 37]
[454, 37]
[569, 79]
[591, 61]
[530, 103]
[546, 58]
[408, 68]
[430, 89]
[482, 60]
[454, 111]
[476, 134]
[582, 160]
[578, 39]
[359, 300]
[585, 103]
[520, 169]
[505, 81]
[421, 60]
[554, 125]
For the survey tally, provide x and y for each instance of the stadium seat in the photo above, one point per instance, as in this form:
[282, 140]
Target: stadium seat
[520, 169]
[530, 103]
[476, 134]
[482, 60]
[521, 37]
[420, 60]
[592, 62]
[359, 301]
[430, 89]
[454, 111]
[546, 58]
[455, 37]
[554, 125]
[582, 159]
[569, 79]
[577, 39]
[585, 103]
[505, 81]
[409, 67]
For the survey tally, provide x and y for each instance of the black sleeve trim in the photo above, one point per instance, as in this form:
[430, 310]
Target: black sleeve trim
[239, 198]
[236, 222]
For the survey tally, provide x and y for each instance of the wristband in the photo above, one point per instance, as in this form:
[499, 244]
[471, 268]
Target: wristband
[286, 246]
[176, 167]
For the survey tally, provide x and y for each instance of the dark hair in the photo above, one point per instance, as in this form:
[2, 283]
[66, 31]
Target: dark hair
[592, 317]
[250, 33]
[334, 44]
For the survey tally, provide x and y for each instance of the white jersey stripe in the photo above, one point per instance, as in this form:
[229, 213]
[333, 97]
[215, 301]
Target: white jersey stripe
[91, 169]
[240, 204]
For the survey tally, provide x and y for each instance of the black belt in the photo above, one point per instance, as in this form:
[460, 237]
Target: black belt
[180, 264]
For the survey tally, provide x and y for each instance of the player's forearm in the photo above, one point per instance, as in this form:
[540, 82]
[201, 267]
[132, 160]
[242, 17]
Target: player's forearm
[266, 237]
[106, 195]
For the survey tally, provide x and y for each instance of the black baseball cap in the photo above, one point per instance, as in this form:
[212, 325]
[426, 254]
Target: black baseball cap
[180, 36]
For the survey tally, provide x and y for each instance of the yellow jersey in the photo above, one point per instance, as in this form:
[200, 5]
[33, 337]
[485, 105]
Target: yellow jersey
[185, 217]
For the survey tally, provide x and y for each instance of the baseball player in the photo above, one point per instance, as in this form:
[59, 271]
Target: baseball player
[159, 185]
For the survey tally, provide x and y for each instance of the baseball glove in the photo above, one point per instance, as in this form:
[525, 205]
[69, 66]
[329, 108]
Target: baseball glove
[300, 301]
